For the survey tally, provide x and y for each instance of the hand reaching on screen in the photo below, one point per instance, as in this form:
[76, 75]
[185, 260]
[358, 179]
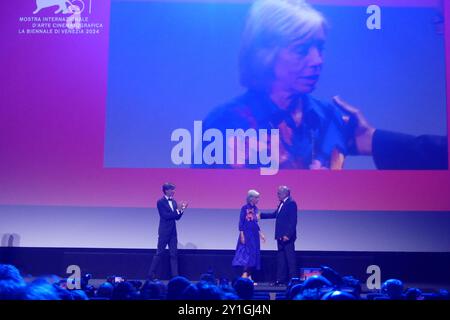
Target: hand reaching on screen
[363, 131]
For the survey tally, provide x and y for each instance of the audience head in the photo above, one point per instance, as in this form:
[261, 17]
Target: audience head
[244, 288]
[209, 278]
[12, 290]
[90, 291]
[309, 294]
[207, 291]
[124, 291]
[444, 295]
[413, 294]
[332, 276]
[317, 282]
[79, 295]
[338, 295]
[41, 290]
[294, 291]
[151, 290]
[353, 284]
[11, 273]
[63, 293]
[105, 290]
[190, 293]
[393, 288]
[176, 287]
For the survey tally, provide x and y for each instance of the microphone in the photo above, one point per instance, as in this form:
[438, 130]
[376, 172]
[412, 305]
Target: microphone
[312, 122]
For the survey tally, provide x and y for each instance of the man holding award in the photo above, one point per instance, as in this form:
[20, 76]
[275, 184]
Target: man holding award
[169, 213]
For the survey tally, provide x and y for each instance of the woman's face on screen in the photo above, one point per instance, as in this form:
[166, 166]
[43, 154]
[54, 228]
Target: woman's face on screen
[298, 66]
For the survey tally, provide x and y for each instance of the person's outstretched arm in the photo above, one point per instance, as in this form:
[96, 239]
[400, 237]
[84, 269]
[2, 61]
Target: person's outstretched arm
[272, 215]
[392, 150]
[399, 151]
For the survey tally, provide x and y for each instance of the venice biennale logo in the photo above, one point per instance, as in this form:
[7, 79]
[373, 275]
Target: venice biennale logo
[74, 8]
[60, 17]
[64, 6]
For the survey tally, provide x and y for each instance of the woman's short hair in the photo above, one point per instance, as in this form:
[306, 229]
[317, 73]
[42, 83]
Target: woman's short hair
[252, 194]
[271, 25]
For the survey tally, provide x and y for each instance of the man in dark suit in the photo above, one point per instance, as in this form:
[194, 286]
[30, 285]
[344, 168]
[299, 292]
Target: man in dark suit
[167, 232]
[285, 234]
